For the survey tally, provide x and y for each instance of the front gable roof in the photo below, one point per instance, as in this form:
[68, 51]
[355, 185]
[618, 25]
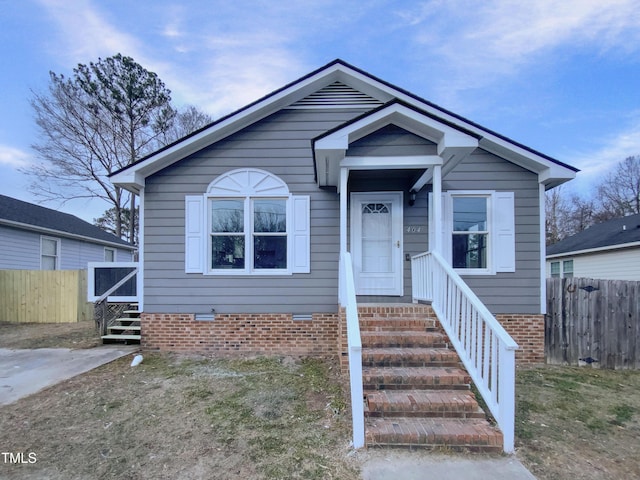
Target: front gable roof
[27, 216]
[341, 85]
[616, 233]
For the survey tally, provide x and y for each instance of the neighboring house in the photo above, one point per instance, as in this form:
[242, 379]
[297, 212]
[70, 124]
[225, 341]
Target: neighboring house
[243, 222]
[608, 251]
[38, 238]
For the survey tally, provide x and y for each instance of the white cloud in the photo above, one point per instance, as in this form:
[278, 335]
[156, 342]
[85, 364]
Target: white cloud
[85, 34]
[14, 157]
[480, 42]
[594, 164]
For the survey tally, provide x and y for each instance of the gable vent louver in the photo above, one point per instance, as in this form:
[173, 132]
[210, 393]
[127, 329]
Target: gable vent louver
[337, 95]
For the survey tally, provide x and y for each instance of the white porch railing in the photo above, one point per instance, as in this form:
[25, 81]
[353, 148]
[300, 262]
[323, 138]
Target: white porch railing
[348, 302]
[485, 348]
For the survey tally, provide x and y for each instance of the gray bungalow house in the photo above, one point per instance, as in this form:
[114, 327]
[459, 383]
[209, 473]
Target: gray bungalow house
[38, 238]
[269, 230]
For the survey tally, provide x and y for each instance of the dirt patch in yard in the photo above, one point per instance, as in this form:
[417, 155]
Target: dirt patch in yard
[188, 418]
[49, 335]
[578, 423]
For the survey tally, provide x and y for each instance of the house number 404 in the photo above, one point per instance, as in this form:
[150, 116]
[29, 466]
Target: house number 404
[413, 229]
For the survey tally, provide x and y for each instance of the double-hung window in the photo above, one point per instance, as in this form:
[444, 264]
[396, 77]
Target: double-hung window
[470, 235]
[49, 253]
[249, 233]
[478, 231]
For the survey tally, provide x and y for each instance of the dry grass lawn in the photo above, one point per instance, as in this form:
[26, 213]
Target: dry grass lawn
[188, 418]
[578, 423]
[270, 418]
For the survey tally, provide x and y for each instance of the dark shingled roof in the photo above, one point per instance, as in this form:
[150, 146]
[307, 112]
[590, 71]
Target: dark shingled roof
[15, 210]
[613, 232]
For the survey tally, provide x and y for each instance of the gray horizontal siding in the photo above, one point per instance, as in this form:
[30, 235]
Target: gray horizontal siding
[517, 292]
[280, 144]
[391, 140]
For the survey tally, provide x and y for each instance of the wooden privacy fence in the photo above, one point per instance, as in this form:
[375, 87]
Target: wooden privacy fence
[44, 296]
[592, 321]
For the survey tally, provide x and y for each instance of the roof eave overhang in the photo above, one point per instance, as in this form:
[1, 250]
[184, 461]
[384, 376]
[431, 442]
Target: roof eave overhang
[60, 233]
[550, 173]
[586, 251]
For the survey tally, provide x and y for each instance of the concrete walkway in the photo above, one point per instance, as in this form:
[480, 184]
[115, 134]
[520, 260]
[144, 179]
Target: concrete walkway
[23, 372]
[417, 465]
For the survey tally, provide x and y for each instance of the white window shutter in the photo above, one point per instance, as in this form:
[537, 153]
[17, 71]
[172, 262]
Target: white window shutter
[194, 240]
[505, 232]
[300, 234]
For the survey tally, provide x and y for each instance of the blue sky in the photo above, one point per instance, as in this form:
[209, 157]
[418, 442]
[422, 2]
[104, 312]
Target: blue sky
[562, 77]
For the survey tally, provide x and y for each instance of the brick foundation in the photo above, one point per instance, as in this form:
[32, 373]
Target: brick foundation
[258, 334]
[324, 335]
[528, 332]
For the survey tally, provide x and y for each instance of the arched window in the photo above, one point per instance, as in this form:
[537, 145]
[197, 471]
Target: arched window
[247, 222]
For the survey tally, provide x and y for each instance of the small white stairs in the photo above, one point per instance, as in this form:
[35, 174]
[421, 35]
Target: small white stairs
[125, 328]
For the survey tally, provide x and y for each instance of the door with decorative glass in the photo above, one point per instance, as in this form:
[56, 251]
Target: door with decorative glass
[376, 243]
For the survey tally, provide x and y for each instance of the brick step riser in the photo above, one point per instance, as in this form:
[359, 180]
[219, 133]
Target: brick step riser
[427, 414]
[470, 435]
[445, 403]
[402, 343]
[447, 445]
[374, 386]
[391, 324]
[429, 358]
[411, 364]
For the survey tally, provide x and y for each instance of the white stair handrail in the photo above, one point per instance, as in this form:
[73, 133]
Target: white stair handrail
[348, 302]
[483, 345]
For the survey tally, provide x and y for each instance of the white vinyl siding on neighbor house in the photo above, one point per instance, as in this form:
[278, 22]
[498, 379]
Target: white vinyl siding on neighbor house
[21, 249]
[618, 264]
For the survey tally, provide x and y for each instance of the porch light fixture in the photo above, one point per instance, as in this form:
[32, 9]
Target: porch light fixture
[412, 198]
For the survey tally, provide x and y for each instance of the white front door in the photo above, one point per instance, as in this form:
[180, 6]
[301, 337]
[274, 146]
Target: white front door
[376, 242]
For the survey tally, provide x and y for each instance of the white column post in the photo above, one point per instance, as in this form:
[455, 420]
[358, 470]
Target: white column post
[436, 243]
[543, 250]
[344, 177]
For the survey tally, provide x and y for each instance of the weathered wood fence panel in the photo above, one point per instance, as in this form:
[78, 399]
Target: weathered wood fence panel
[44, 296]
[590, 320]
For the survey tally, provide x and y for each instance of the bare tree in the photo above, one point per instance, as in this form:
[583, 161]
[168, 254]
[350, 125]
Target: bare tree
[556, 215]
[104, 117]
[619, 192]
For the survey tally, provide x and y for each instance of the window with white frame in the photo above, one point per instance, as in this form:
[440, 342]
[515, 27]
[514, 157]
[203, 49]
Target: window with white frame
[247, 223]
[49, 253]
[567, 268]
[561, 269]
[248, 233]
[470, 235]
[479, 231]
[109, 254]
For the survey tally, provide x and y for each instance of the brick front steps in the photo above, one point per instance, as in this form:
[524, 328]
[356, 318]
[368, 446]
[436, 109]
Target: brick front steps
[416, 392]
